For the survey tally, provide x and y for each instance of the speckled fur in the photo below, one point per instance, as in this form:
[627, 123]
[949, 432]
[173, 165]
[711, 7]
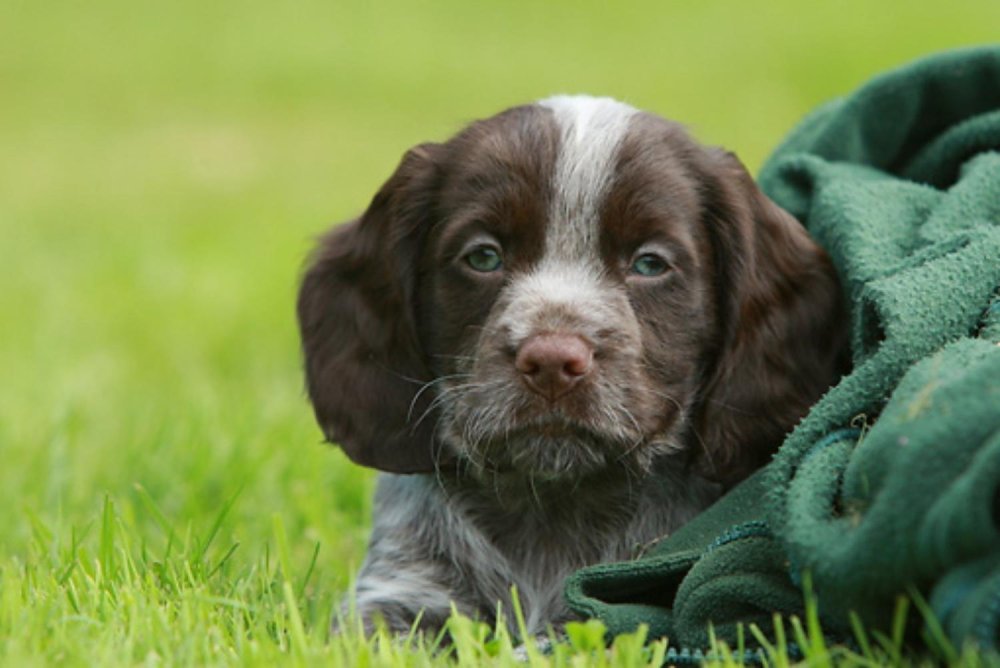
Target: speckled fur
[449, 538]
[696, 372]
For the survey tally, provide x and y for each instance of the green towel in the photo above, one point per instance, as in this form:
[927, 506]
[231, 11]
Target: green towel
[892, 482]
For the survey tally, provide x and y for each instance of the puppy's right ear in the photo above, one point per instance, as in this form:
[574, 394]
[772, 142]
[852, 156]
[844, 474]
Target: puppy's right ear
[363, 363]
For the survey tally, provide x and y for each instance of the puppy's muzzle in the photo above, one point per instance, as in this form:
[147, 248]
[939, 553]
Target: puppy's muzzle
[553, 364]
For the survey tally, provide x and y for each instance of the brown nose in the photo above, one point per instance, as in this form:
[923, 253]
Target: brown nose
[552, 364]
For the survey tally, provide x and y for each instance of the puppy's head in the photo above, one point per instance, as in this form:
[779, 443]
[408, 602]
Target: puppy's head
[565, 287]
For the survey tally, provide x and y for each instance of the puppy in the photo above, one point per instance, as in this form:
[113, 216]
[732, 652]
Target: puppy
[560, 335]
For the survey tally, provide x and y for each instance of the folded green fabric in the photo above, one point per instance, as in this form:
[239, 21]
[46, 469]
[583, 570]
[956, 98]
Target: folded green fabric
[892, 482]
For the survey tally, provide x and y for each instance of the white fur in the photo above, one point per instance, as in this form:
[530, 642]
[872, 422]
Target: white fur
[516, 512]
[567, 290]
[558, 295]
[591, 130]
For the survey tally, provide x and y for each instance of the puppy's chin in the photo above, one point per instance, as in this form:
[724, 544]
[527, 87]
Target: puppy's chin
[556, 451]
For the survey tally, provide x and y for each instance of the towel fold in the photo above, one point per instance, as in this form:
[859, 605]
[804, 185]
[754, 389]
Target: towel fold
[892, 482]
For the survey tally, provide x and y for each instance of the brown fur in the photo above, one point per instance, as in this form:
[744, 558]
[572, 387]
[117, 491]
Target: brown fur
[697, 375]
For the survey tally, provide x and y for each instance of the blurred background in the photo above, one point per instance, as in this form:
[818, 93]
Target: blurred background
[164, 167]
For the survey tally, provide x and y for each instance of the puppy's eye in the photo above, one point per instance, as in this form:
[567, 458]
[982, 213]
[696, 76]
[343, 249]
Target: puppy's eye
[649, 265]
[484, 259]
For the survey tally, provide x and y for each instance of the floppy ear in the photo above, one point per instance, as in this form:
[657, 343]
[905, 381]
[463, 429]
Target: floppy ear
[363, 363]
[783, 324]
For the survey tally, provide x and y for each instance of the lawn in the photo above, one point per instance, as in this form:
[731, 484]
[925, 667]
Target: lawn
[166, 496]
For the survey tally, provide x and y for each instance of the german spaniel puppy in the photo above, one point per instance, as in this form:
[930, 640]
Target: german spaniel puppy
[560, 335]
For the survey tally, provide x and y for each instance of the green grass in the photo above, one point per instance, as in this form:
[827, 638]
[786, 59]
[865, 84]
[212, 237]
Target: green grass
[163, 167]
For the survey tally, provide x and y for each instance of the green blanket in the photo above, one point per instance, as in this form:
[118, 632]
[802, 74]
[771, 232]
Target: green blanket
[892, 483]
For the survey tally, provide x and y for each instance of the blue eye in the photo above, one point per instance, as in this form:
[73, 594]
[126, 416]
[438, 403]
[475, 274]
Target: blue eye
[484, 259]
[649, 265]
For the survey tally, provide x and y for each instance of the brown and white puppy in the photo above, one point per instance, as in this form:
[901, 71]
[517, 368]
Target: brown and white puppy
[560, 334]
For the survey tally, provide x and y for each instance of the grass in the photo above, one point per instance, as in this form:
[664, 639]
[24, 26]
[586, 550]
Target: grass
[166, 498]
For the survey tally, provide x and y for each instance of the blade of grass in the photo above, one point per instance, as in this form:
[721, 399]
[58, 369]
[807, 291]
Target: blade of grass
[814, 646]
[297, 629]
[223, 560]
[281, 544]
[861, 636]
[309, 571]
[780, 640]
[937, 640]
[161, 519]
[106, 550]
[769, 648]
[199, 556]
[534, 656]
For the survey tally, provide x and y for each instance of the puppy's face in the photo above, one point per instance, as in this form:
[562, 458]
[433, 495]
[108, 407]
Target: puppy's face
[565, 287]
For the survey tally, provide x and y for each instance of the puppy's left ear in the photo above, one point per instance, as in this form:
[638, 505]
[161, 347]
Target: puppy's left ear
[782, 324]
[357, 317]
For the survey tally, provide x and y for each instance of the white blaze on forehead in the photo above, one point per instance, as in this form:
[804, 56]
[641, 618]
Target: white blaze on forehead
[567, 290]
[556, 296]
[591, 130]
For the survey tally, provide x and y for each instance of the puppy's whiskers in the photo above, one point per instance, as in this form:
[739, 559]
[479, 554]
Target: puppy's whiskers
[667, 397]
[438, 401]
[428, 385]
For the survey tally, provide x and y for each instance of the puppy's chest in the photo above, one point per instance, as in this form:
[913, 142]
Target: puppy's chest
[540, 539]
[541, 544]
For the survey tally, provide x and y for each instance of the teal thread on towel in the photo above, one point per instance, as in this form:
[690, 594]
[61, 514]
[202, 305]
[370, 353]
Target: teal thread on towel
[845, 434]
[754, 529]
[697, 657]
